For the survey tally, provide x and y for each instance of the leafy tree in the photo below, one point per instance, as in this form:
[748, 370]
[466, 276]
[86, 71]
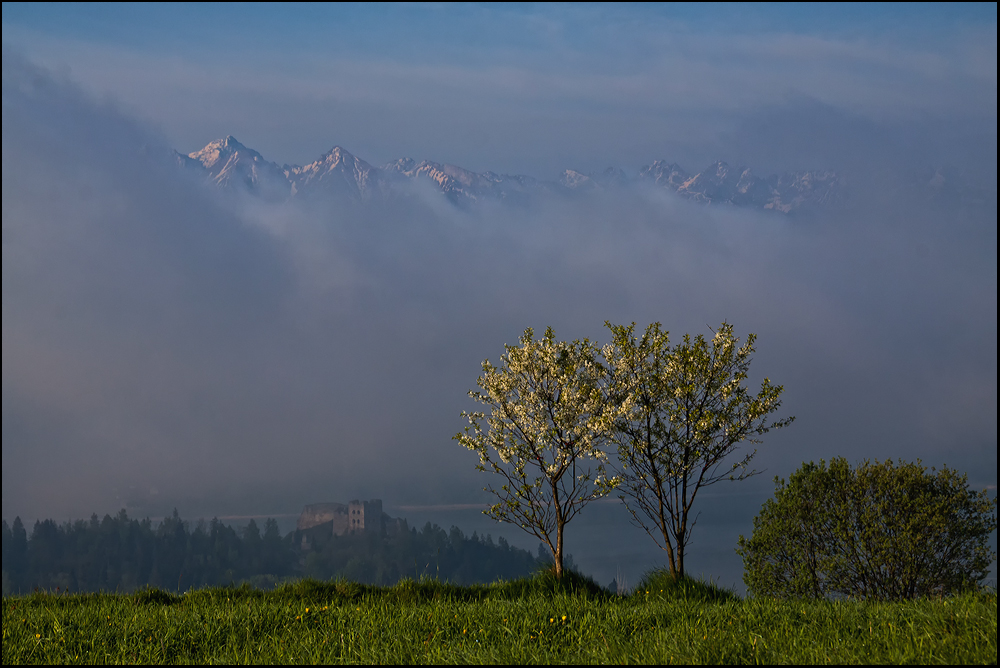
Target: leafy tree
[276, 557]
[879, 531]
[123, 554]
[686, 410]
[15, 556]
[119, 553]
[549, 419]
[251, 548]
[447, 556]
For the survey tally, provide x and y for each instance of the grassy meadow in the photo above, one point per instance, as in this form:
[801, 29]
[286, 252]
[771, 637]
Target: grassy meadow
[534, 620]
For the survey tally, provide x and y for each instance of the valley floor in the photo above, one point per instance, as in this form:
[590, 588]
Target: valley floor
[526, 621]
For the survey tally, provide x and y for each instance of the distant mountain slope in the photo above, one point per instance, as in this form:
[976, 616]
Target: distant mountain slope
[337, 172]
[230, 165]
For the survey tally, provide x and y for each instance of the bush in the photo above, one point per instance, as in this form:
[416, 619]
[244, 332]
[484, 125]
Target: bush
[661, 584]
[879, 531]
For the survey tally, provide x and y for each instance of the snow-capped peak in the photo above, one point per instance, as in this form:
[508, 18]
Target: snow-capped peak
[230, 164]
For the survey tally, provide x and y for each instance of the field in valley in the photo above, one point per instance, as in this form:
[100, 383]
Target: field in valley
[525, 621]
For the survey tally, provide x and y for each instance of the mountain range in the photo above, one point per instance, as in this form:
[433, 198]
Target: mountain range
[230, 165]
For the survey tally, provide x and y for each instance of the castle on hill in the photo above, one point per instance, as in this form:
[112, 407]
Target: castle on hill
[321, 521]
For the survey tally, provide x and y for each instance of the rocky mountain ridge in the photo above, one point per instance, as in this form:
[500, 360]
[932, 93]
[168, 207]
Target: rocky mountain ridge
[232, 166]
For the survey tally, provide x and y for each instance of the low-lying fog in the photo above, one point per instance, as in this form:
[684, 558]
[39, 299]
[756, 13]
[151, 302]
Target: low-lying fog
[167, 346]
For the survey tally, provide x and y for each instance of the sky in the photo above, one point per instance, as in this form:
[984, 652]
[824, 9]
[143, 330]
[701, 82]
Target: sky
[167, 347]
[523, 89]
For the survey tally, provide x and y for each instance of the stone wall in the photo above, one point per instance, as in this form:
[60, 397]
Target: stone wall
[320, 513]
[320, 521]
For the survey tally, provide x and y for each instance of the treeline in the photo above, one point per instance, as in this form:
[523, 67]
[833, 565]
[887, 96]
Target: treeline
[123, 554]
[431, 552]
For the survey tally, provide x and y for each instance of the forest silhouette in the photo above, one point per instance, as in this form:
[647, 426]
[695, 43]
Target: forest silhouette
[124, 554]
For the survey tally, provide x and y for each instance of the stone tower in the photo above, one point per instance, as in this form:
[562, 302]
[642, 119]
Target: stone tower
[365, 516]
[321, 521]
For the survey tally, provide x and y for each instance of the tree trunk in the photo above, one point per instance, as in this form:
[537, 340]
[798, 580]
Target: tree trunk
[560, 523]
[559, 549]
[679, 575]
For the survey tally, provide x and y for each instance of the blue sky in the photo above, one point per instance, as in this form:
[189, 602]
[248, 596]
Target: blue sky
[517, 88]
[393, 29]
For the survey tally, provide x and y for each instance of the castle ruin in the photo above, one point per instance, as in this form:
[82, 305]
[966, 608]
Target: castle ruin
[321, 521]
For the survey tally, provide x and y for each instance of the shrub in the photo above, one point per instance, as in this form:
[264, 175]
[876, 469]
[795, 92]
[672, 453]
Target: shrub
[661, 583]
[879, 531]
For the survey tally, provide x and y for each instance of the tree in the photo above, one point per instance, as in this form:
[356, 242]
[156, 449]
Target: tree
[685, 411]
[15, 556]
[549, 420]
[879, 531]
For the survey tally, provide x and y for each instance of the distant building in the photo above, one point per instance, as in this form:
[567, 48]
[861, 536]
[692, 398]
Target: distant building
[321, 521]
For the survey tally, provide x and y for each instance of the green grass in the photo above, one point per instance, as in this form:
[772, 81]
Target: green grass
[538, 620]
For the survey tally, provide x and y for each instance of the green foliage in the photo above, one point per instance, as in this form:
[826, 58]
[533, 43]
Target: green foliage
[686, 410]
[662, 584]
[879, 531]
[449, 557]
[571, 582]
[549, 421]
[527, 621]
[122, 554]
[154, 596]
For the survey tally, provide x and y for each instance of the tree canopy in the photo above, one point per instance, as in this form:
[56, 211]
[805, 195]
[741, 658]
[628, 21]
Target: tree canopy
[123, 554]
[685, 411]
[879, 531]
[545, 436]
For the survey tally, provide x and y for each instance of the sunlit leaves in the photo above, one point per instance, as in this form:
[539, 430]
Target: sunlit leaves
[879, 531]
[545, 435]
[685, 410]
[674, 414]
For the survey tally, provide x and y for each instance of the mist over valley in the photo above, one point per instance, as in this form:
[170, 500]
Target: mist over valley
[234, 335]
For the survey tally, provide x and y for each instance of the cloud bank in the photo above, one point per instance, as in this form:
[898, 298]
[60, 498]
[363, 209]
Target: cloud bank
[164, 345]
[521, 90]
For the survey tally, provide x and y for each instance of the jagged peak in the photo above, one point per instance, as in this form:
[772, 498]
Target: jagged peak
[336, 154]
[228, 141]
[721, 167]
[457, 172]
[227, 146]
[574, 179]
[663, 164]
[400, 165]
[227, 159]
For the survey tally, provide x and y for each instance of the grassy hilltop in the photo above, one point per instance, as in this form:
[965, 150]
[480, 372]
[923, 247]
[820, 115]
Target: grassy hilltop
[536, 620]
